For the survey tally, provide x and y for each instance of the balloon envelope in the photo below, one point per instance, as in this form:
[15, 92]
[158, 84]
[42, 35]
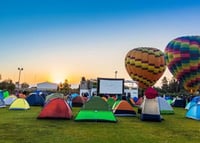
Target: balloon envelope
[145, 65]
[183, 60]
[150, 93]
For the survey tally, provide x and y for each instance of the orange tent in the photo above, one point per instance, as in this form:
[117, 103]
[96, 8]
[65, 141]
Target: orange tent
[124, 109]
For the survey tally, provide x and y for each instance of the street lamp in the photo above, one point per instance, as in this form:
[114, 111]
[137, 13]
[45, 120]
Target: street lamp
[115, 74]
[20, 69]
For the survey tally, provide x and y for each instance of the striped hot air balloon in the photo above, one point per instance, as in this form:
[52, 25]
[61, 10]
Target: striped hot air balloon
[183, 60]
[145, 65]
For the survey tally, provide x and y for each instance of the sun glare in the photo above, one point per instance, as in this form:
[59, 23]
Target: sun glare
[58, 78]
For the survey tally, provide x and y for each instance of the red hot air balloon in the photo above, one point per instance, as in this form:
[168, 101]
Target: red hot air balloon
[145, 65]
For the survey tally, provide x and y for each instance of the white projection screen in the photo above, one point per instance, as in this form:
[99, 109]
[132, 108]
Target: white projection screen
[110, 86]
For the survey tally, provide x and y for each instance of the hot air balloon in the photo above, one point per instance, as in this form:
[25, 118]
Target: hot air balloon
[145, 65]
[183, 60]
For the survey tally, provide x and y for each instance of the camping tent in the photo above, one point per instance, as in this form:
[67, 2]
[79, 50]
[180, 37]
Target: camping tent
[164, 107]
[150, 106]
[2, 103]
[1, 94]
[53, 95]
[139, 101]
[116, 103]
[74, 95]
[194, 101]
[96, 109]
[19, 104]
[9, 100]
[78, 101]
[179, 102]
[4, 94]
[56, 108]
[150, 110]
[124, 109]
[35, 99]
[194, 112]
[111, 101]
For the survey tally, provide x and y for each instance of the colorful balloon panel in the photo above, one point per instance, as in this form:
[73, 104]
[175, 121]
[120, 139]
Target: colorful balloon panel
[182, 57]
[145, 65]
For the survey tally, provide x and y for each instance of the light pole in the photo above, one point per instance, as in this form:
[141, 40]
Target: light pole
[115, 74]
[20, 69]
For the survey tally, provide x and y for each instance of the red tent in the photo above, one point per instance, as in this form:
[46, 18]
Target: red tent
[78, 101]
[139, 101]
[56, 108]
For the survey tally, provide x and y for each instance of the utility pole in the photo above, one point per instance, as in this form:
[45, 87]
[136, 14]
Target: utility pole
[115, 74]
[20, 69]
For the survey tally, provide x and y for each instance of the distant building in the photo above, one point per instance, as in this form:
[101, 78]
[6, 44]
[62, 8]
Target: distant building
[47, 86]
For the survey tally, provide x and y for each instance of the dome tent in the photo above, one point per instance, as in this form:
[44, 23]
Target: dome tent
[56, 108]
[2, 103]
[10, 99]
[194, 112]
[150, 106]
[53, 95]
[96, 109]
[35, 99]
[194, 101]
[164, 107]
[124, 109]
[19, 104]
[78, 101]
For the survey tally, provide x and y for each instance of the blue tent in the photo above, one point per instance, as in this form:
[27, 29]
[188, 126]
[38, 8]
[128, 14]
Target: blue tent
[194, 112]
[135, 99]
[179, 102]
[35, 99]
[1, 95]
[74, 95]
[194, 101]
[2, 103]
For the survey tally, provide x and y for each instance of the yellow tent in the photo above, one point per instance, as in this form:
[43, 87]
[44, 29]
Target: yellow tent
[19, 104]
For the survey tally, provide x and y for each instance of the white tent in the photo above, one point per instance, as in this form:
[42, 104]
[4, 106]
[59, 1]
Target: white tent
[164, 107]
[150, 109]
[9, 100]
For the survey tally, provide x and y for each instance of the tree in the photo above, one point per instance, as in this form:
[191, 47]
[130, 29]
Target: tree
[174, 85]
[83, 79]
[65, 87]
[24, 85]
[164, 84]
[7, 85]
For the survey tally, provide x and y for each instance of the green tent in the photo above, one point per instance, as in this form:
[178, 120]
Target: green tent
[96, 109]
[169, 101]
[111, 101]
[5, 94]
[115, 104]
[53, 95]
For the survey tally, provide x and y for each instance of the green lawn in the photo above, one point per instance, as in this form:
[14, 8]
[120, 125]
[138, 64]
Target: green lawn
[23, 127]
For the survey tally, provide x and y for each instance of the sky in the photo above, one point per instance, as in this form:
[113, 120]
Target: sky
[54, 40]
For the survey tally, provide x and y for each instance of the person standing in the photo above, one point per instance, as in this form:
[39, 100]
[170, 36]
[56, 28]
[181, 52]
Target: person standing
[69, 100]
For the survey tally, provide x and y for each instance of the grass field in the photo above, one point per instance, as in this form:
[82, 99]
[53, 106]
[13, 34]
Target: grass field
[23, 127]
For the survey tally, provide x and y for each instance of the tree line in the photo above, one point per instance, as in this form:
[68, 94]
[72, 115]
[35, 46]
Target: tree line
[171, 87]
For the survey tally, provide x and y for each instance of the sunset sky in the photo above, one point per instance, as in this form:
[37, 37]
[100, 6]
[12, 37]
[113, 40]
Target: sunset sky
[53, 40]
